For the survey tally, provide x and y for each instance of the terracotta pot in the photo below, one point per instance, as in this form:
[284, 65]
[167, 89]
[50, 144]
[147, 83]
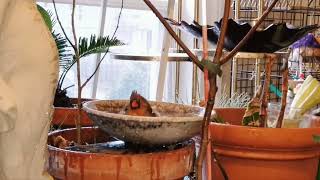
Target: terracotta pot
[71, 165]
[66, 117]
[249, 153]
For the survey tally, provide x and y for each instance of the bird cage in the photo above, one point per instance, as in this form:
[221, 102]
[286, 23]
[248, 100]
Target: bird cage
[248, 73]
[304, 59]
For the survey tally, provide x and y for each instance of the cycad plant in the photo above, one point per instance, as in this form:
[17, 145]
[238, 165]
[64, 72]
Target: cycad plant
[86, 46]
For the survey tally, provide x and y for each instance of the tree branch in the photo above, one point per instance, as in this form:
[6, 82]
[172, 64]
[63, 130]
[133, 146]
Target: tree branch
[60, 24]
[249, 34]
[223, 31]
[173, 34]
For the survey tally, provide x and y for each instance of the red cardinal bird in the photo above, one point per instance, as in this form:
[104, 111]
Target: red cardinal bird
[138, 106]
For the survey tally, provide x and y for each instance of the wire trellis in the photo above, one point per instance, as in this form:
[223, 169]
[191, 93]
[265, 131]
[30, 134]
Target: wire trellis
[303, 60]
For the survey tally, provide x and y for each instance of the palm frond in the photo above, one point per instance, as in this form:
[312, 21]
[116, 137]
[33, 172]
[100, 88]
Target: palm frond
[47, 16]
[96, 45]
[65, 57]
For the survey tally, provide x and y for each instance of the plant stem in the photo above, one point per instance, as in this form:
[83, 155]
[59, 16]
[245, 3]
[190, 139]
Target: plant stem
[77, 58]
[60, 24]
[104, 55]
[285, 75]
[212, 91]
[264, 99]
[249, 34]
[205, 123]
[174, 35]
[223, 31]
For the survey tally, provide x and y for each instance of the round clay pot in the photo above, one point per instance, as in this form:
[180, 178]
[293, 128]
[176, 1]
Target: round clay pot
[65, 117]
[249, 153]
[71, 165]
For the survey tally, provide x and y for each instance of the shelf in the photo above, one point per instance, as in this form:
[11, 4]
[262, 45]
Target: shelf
[175, 57]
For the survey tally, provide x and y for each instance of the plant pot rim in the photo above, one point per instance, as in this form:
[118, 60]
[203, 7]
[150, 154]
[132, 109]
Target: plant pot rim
[56, 149]
[264, 138]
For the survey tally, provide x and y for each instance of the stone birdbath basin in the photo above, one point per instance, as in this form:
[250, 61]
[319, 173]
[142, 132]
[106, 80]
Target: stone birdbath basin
[174, 123]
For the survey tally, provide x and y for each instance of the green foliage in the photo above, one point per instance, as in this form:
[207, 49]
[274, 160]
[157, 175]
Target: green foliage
[316, 138]
[86, 46]
[96, 45]
[65, 57]
[47, 17]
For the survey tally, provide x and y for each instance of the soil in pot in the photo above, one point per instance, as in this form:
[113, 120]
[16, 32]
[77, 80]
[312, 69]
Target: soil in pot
[248, 153]
[108, 158]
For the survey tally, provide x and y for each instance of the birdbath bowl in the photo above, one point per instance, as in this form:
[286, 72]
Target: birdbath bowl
[175, 123]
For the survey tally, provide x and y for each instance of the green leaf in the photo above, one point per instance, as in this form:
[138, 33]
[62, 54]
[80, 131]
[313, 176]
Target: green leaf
[47, 17]
[65, 57]
[316, 138]
[212, 67]
[96, 45]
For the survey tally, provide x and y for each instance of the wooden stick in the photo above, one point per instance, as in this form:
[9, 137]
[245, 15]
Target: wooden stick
[205, 124]
[223, 31]
[206, 86]
[211, 93]
[249, 34]
[285, 77]
[173, 34]
[264, 99]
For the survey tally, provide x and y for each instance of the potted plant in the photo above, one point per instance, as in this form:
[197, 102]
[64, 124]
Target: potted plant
[254, 144]
[217, 135]
[65, 111]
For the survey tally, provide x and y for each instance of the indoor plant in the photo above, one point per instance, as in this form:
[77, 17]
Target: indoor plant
[72, 164]
[305, 135]
[65, 112]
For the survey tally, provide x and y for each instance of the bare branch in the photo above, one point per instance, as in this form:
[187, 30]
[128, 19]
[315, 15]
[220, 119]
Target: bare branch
[174, 35]
[60, 24]
[249, 34]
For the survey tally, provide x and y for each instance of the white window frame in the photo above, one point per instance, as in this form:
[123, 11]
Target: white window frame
[128, 4]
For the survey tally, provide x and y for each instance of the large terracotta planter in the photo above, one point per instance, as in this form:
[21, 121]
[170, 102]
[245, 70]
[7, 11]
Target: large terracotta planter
[249, 153]
[66, 117]
[71, 165]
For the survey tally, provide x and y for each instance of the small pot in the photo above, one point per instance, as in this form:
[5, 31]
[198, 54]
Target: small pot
[248, 153]
[66, 117]
[71, 165]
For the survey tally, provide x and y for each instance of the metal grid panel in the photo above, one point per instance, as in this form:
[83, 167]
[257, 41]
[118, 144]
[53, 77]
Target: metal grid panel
[246, 74]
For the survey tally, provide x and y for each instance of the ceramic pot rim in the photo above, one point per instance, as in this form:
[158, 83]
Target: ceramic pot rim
[56, 149]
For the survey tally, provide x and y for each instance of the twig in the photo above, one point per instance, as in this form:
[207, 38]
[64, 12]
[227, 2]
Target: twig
[285, 74]
[60, 24]
[223, 31]
[264, 99]
[173, 34]
[104, 55]
[249, 34]
[77, 58]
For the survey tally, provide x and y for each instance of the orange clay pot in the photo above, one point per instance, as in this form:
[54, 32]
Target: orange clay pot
[249, 153]
[71, 165]
[66, 117]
